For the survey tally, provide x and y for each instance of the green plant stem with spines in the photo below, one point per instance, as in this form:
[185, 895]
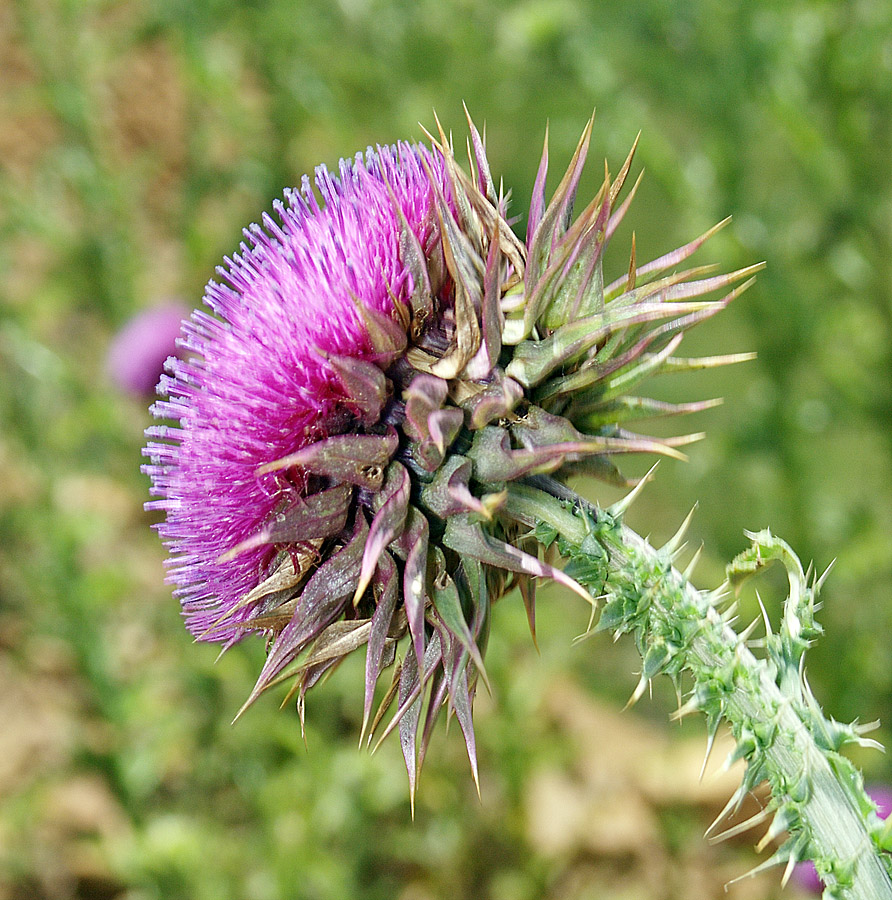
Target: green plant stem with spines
[781, 733]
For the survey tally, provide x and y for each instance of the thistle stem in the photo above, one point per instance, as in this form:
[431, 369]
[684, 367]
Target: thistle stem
[817, 795]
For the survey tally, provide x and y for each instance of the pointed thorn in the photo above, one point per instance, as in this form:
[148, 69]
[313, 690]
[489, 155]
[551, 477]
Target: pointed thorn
[770, 863]
[619, 508]
[291, 692]
[730, 614]
[710, 743]
[477, 659]
[730, 808]
[617, 216]
[637, 693]
[788, 871]
[717, 596]
[742, 827]
[744, 635]
[687, 709]
[767, 838]
[590, 630]
[682, 440]
[674, 364]
[630, 282]
[591, 618]
[689, 568]
[253, 696]
[674, 544]
[364, 581]
[620, 180]
[765, 618]
[820, 581]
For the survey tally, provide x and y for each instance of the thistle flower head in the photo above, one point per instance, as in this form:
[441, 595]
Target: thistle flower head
[375, 372]
[136, 355]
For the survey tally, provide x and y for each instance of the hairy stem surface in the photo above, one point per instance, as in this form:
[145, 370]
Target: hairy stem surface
[817, 794]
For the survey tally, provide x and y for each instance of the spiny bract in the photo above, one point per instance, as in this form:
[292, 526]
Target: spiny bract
[374, 372]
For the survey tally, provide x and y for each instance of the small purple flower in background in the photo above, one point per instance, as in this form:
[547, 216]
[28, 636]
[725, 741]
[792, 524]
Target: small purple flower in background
[805, 875]
[375, 374]
[136, 355]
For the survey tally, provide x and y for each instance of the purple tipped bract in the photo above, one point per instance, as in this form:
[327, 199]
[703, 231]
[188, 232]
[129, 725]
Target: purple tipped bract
[260, 382]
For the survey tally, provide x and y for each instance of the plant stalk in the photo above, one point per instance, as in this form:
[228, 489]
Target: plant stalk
[817, 794]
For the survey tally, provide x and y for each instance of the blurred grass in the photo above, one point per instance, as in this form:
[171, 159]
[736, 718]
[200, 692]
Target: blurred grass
[136, 140]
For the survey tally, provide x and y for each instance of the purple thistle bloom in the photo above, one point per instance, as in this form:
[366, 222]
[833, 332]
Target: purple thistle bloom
[263, 384]
[374, 373]
[136, 355]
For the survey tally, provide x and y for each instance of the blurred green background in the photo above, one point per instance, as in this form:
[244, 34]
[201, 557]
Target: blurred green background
[136, 139]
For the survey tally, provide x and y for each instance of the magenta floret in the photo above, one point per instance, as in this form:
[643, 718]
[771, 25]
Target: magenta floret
[258, 383]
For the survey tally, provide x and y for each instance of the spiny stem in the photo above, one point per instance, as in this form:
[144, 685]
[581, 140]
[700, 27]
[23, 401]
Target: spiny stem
[817, 794]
